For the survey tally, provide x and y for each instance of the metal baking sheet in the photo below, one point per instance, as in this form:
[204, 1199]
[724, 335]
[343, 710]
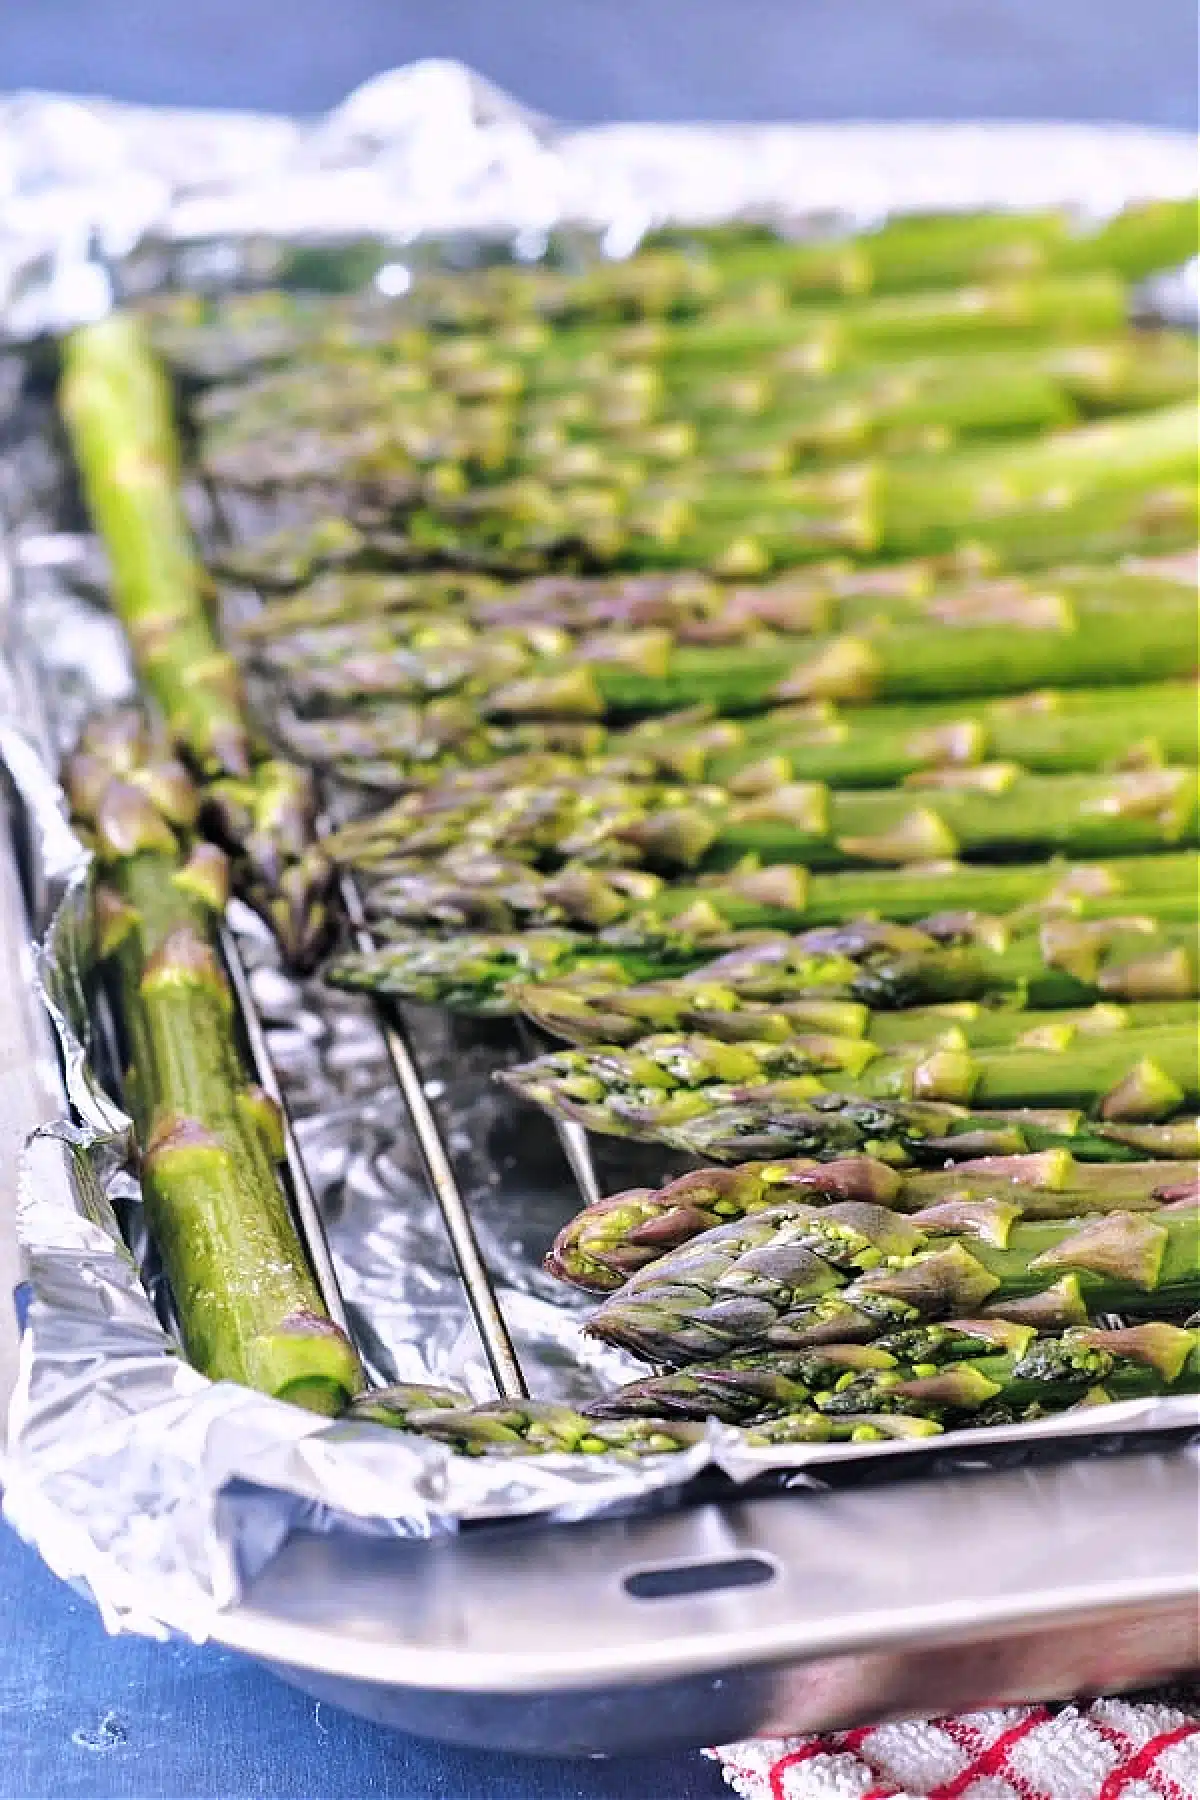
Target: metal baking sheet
[168, 1495]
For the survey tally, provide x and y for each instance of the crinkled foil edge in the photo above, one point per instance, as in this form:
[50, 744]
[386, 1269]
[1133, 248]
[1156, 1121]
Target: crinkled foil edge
[94, 193]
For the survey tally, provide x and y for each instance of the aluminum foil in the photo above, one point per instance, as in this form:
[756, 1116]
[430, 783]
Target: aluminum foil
[434, 149]
[124, 1464]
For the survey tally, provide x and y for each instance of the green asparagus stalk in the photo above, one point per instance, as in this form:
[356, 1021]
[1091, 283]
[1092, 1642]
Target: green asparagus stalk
[676, 274]
[796, 1276]
[1034, 309]
[984, 1371]
[285, 558]
[1076, 642]
[606, 1243]
[1066, 962]
[479, 974]
[1094, 490]
[118, 413]
[481, 891]
[985, 815]
[812, 1427]
[592, 1007]
[946, 249]
[118, 417]
[524, 1427]
[668, 1079]
[398, 747]
[1007, 640]
[777, 1120]
[789, 421]
[692, 606]
[1048, 733]
[990, 810]
[248, 1306]
[1043, 732]
[394, 1405]
[345, 597]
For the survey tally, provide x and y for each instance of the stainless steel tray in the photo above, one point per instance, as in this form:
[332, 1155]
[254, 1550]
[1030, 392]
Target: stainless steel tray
[825, 1611]
[965, 1575]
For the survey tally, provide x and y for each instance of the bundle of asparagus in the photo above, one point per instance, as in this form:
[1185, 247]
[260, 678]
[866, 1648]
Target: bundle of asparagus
[248, 1306]
[582, 412]
[1008, 639]
[794, 1276]
[118, 415]
[556, 428]
[673, 275]
[990, 1371]
[395, 746]
[666, 1083]
[612, 1238]
[468, 888]
[572, 981]
[628, 787]
[992, 811]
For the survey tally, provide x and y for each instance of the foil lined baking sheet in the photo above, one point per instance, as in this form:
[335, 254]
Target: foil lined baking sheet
[124, 1465]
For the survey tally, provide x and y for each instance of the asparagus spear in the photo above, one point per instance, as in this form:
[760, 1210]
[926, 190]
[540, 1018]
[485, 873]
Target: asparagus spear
[286, 557]
[1066, 962]
[483, 891]
[776, 1120]
[525, 1427]
[987, 1370]
[614, 1237]
[403, 746]
[268, 825]
[691, 605]
[594, 1008]
[926, 250]
[1048, 732]
[782, 420]
[990, 810]
[675, 274]
[394, 1405]
[1043, 732]
[478, 974]
[668, 1080]
[795, 1276]
[1095, 488]
[1007, 640]
[1080, 642]
[248, 1307]
[118, 413]
[341, 597]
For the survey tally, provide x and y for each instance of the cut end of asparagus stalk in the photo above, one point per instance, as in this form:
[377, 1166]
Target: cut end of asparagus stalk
[308, 1361]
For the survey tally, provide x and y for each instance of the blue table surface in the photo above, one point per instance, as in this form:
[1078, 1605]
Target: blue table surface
[125, 1718]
